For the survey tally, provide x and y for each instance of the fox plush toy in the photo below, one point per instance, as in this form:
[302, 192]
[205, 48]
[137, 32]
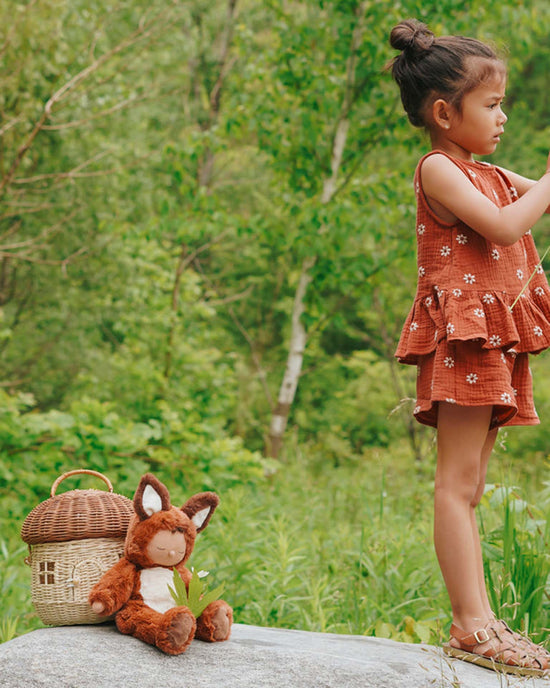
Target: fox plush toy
[136, 589]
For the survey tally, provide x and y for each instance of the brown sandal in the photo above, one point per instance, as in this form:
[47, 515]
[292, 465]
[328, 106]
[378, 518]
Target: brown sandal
[538, 651]
[508, 654]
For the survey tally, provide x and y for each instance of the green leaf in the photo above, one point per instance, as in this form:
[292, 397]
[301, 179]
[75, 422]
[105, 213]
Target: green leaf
[179, 591]
[196, 599]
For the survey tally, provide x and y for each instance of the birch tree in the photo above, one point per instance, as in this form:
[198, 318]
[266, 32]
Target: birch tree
[358, 82]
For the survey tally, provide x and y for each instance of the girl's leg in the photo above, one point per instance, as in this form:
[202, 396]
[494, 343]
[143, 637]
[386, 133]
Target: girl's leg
[485, 455]
[462, 438]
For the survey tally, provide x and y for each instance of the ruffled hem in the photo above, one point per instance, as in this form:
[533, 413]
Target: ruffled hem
[490, 317]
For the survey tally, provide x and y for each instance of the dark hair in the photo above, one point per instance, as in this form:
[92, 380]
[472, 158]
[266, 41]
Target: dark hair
[430, 67]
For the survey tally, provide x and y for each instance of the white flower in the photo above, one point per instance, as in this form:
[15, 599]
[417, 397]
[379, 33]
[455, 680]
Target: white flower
[428, 301]
[488, 298]
[421, 271]
[450, 400]
[449, 362]
[416, 410]
[457, 293]
[502, 356]
[446, 251]
[462, 239]
[495, 340]
[471, 378]
[513, 192]
[469, 278]
[540, 269]
[495, 254]
[537, 330]
[413, 327]
[515, 391]
[421, 229]
[450, 328]
[539, 291]
[479, 312]
[506, 398]
[519, 273]
[438, 291]
[417, 187]
[472, 174]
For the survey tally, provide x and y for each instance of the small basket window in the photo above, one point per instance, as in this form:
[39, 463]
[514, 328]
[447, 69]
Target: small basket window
[46, 572]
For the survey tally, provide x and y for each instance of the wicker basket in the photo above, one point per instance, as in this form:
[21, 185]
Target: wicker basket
[73, 539]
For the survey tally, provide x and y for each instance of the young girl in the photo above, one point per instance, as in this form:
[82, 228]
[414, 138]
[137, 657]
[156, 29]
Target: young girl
[476, 315]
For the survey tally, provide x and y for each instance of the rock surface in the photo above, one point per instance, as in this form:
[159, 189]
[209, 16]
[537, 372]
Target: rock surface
[254, 657]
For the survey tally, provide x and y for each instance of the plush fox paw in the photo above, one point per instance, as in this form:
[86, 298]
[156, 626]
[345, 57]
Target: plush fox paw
[214, 624]
[177, 631]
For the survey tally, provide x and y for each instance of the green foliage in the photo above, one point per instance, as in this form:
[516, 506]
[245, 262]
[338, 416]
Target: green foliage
[153, 225]
[518, 562]
[17, 610]
[342, 549]
[198, 597]
[37, 446]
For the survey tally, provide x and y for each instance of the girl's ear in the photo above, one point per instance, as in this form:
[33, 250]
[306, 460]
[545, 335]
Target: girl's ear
[442, 112]
[151, 497]
[200, 507]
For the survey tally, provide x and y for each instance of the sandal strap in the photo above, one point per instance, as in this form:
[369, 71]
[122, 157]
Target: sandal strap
[470, 640]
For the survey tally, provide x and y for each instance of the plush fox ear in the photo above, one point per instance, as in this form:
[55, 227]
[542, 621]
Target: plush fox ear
[200, 508]
[151, 496]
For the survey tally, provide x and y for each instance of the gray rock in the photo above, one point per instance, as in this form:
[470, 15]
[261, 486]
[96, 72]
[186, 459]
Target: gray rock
[254, 657]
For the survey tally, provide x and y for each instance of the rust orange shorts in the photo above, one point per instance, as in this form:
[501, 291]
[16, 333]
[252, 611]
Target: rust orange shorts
[465, 374]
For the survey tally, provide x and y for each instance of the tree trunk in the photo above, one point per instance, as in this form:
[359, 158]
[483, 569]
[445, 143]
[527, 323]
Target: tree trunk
[298, 335]
[293, 369]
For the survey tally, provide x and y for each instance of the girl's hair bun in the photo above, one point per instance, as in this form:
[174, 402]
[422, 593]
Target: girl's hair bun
[411, 35]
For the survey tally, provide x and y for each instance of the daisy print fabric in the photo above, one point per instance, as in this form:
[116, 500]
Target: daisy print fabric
[467, 292]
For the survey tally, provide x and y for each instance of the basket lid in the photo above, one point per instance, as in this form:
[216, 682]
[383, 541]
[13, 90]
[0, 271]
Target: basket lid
[78, 514]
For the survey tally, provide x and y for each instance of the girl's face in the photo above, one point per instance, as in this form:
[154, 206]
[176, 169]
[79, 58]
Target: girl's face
[477, 128]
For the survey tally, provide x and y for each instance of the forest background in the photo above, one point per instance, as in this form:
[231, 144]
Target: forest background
[206, 256]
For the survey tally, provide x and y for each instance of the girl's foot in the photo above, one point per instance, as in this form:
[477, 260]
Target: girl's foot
[496, 647]
[538, 650]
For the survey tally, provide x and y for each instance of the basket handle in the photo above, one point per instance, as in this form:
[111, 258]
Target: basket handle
[78, 471]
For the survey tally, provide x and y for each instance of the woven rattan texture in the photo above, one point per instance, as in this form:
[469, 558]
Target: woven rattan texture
[78, 515]
[63, 575]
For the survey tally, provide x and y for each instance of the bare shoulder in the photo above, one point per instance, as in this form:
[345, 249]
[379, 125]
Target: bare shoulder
[438, 168]
[440, 178]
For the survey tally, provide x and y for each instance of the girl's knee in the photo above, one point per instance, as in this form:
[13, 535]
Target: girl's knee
[478, 495]
[463, 488]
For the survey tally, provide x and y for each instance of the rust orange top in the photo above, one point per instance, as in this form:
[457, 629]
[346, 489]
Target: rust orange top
[467, 284]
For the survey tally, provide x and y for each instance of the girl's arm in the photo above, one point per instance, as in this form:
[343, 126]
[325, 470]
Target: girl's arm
[446, 185]
[521, 184]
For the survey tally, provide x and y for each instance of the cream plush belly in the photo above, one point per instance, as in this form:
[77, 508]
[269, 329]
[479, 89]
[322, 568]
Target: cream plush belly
[154, 588]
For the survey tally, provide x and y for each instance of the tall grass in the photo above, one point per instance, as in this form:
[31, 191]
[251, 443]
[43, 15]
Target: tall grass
[517, 560]
[344, 549]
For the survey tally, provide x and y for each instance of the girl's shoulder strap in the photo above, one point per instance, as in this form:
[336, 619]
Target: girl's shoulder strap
[473, 170]
[461, 164]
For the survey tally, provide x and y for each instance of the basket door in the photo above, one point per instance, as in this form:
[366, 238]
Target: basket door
[85, 575]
